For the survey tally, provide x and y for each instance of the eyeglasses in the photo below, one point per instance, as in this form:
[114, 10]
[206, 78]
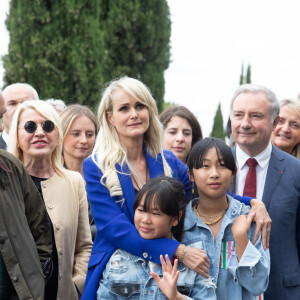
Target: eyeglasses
[30, 126]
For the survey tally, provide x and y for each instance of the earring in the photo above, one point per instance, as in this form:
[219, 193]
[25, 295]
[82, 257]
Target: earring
[232, 178]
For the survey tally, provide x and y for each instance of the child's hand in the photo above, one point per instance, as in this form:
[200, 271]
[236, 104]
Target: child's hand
[239, 230]
[242, 225]
[167, 284]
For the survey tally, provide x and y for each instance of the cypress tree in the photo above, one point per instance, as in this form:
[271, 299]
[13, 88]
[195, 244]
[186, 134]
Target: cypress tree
[218, 129]
[57, 47]
[248, 74]
[137, 42]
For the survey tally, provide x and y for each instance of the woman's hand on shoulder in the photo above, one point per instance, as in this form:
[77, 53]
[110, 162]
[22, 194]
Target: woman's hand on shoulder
[194, 259]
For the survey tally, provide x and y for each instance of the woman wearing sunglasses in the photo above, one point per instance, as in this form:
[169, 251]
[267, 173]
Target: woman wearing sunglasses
[36, 139]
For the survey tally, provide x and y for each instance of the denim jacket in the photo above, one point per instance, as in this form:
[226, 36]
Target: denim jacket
[127, 276]
[245, 279]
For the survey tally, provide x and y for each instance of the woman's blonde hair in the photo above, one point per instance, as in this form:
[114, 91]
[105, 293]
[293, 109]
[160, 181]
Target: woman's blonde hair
[71, 113]
[48, 112]
[108, 149]
[295, 106]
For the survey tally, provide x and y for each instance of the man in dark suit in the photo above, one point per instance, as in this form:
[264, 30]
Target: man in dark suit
[14, 95]
[254, 114]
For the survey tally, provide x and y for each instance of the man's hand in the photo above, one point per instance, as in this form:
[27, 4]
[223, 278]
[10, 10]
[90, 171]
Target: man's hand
[263, 222]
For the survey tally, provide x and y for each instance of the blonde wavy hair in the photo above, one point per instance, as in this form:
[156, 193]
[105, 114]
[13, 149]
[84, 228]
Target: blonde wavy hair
[108, 149]
[48, 112]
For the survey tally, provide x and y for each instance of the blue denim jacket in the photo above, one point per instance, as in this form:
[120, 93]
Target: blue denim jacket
[127, 276]
[245, 279]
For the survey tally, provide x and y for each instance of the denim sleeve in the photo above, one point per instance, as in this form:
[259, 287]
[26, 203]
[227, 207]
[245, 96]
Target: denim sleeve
[252, 271]
[204, 288]
[244, 199]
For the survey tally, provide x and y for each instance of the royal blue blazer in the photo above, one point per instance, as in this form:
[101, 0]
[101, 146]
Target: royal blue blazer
[281, 197]
[114, 217]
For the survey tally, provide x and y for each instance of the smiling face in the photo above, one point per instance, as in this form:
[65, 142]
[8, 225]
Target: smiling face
[287, 132]
[251, 122]
[153, 224]
[80, 139]
[39, 144]
[129, 116]
[212, 179]
[178, 137]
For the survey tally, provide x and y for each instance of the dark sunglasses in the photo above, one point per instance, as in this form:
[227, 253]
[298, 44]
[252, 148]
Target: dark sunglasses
[30, 126]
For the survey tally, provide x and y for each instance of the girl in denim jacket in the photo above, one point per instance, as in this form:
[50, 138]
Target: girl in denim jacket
[221, 226]
[159, 213]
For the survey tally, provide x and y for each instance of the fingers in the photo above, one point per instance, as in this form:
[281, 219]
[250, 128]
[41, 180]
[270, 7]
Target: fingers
[250, 218]
[163, 263]
[174, 271]
[257, 233]
[203, 274]
[169, 265]
[155, 277]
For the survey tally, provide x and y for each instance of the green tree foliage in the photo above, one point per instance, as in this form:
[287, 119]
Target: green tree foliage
[57, 47]
[218, 129]
[69, 49]
[137, 41]
[245, 78]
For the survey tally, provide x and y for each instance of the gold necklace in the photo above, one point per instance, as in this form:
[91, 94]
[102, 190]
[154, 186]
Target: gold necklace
[219, 217]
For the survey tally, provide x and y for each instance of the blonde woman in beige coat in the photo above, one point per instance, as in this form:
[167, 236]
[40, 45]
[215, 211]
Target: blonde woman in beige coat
[36, 139]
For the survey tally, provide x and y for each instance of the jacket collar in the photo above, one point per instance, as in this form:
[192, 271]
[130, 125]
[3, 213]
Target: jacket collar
[235, 209]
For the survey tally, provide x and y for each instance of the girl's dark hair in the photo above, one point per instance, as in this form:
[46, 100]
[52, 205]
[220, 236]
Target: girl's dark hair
[199, 150]
[169, 196]
[182, 112]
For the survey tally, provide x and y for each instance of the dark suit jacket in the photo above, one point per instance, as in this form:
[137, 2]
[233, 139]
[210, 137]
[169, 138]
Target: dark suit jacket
[2, 143]
[281, 196]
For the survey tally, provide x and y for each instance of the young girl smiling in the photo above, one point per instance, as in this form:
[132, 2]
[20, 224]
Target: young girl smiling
[221, 226]
[159, 213]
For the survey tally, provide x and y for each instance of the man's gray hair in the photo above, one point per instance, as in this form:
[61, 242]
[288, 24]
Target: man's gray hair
[255, 89]
[22, 84]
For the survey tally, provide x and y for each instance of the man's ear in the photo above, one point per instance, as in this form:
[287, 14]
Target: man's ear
[110, 118]
[191, 177]
[275, 122]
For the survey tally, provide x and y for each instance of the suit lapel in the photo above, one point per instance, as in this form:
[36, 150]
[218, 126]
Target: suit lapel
[275, 170]
[128, 190]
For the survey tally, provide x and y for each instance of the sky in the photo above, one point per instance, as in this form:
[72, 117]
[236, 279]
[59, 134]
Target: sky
[209, 42]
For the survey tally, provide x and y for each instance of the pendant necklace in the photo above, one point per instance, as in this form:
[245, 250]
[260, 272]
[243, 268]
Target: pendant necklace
[218, 217]
[133, 177]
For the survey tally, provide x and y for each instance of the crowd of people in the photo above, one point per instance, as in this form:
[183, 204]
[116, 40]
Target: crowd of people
[130, 204]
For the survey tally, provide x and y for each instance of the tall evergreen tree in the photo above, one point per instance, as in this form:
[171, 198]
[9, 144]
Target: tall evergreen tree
[248, 74]
[242, 75]
[57, 47]
[137, 41]
[218, 129]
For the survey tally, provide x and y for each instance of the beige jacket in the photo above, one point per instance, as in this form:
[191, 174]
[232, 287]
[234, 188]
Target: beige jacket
[66, 203]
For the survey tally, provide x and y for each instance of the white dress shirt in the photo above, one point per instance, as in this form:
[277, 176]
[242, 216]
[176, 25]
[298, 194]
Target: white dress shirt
[262, 159]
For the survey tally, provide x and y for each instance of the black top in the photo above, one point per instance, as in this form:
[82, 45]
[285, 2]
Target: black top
[52, 282]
